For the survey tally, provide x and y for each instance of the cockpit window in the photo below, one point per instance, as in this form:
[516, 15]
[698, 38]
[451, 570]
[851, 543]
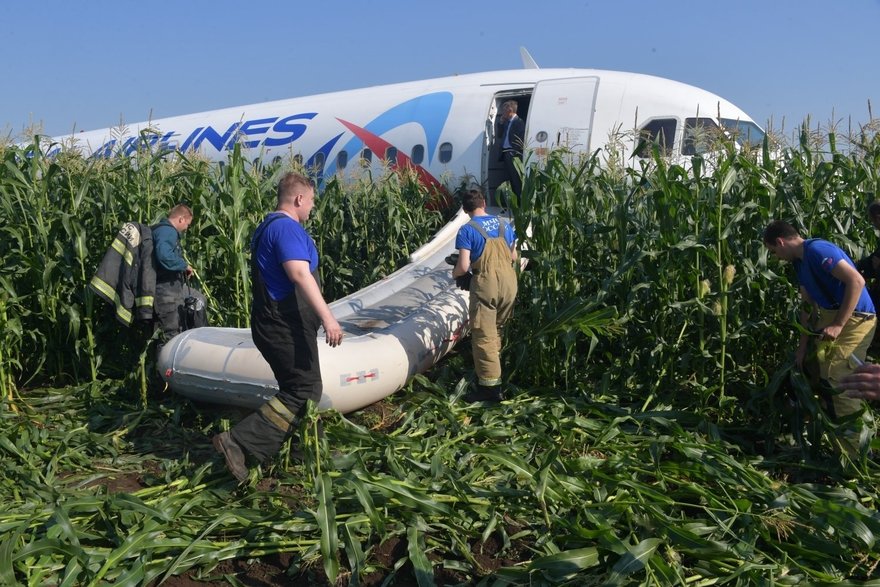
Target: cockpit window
[699, 134]
[743, 132]
[660, 131]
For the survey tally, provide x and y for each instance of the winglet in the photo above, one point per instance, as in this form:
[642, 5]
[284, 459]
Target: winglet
[528, 62]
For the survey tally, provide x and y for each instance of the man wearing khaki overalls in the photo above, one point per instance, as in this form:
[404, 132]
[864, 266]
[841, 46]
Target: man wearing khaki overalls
[842, 318]
[486, 249]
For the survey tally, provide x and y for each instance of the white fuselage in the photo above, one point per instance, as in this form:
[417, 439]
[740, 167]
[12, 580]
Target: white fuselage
[443, 127]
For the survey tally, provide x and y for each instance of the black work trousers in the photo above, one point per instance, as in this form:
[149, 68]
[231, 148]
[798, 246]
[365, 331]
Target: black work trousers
[513, 177]
[286, 334]
[169, 306]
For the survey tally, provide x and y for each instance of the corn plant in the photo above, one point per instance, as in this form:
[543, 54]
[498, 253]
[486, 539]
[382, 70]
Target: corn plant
[655, 432]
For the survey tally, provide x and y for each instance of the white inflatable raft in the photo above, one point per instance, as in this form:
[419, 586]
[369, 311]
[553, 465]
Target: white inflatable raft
[394, 328]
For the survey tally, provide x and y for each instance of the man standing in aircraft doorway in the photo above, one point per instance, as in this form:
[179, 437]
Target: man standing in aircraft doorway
[512, 133]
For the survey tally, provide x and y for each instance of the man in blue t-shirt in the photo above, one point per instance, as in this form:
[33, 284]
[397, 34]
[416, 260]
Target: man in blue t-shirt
[486, 249]
[287, 310]
[842, 316]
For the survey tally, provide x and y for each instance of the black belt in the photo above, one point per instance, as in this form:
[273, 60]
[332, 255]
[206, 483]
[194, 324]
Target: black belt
[864, 315]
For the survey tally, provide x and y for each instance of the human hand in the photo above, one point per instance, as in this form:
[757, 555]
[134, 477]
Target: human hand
[863, 383]
[831, 332]
[189, 271]
[333, 332]
[464, 281]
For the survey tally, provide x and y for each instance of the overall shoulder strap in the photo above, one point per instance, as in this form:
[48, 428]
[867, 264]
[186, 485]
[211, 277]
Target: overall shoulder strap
[479, 228]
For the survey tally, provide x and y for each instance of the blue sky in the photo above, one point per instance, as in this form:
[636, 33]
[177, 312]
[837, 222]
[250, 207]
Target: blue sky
[95, 62]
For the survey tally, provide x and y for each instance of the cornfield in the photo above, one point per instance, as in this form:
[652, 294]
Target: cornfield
[657, 432]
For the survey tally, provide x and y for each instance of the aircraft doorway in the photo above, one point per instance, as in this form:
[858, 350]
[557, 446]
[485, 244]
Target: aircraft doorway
[558, 113]
[495, 173]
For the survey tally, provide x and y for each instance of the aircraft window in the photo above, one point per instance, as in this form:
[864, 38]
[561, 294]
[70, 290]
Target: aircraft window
[743, 132]
[445, 152]
[366, 156]
[391, 155]
[699, 135]
[342, 159]
[661, 132]
[418, 154]
[318, 161]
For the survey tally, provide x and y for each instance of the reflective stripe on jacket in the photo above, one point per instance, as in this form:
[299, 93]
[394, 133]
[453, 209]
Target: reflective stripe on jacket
[126, 278]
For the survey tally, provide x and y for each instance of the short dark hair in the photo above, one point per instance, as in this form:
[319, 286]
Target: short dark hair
[874, 208]
[472, 199]
[779, 229]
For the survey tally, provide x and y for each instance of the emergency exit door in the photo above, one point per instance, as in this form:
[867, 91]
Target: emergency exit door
[561, 115]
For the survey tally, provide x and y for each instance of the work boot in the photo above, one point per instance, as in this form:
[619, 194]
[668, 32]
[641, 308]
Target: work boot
[486, 393]
[231, 451]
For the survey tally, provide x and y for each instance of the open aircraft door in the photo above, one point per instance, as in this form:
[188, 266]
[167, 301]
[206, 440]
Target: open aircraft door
[561, 115]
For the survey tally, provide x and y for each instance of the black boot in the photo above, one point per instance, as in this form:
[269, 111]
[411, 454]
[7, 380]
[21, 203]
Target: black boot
[486, 393]
[233, 454]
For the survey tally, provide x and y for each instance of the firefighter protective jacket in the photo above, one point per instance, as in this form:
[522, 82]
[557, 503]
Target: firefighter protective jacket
[126, 277]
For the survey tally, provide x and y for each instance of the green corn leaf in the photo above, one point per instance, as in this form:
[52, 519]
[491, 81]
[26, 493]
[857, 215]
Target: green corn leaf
[567, 563]
[326, 517]
[366, 501]
[421, 565]
[355, 553]
[635, 560]
[410, 497]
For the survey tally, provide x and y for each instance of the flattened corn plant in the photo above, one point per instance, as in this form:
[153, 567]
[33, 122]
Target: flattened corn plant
[649, 439]
[544, 490]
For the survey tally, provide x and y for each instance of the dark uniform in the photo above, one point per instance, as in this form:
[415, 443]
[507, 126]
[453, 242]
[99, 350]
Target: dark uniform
[512, 134]
[171, 286]
[285, 330]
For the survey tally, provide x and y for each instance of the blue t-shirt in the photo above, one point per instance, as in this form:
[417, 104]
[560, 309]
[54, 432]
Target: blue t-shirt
[470, 238]
[814, 274]
[282, 240]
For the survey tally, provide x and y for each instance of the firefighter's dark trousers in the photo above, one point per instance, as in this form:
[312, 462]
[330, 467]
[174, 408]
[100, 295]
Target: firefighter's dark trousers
[285, 333]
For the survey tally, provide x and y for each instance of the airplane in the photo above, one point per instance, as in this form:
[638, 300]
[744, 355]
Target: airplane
[445, 128]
